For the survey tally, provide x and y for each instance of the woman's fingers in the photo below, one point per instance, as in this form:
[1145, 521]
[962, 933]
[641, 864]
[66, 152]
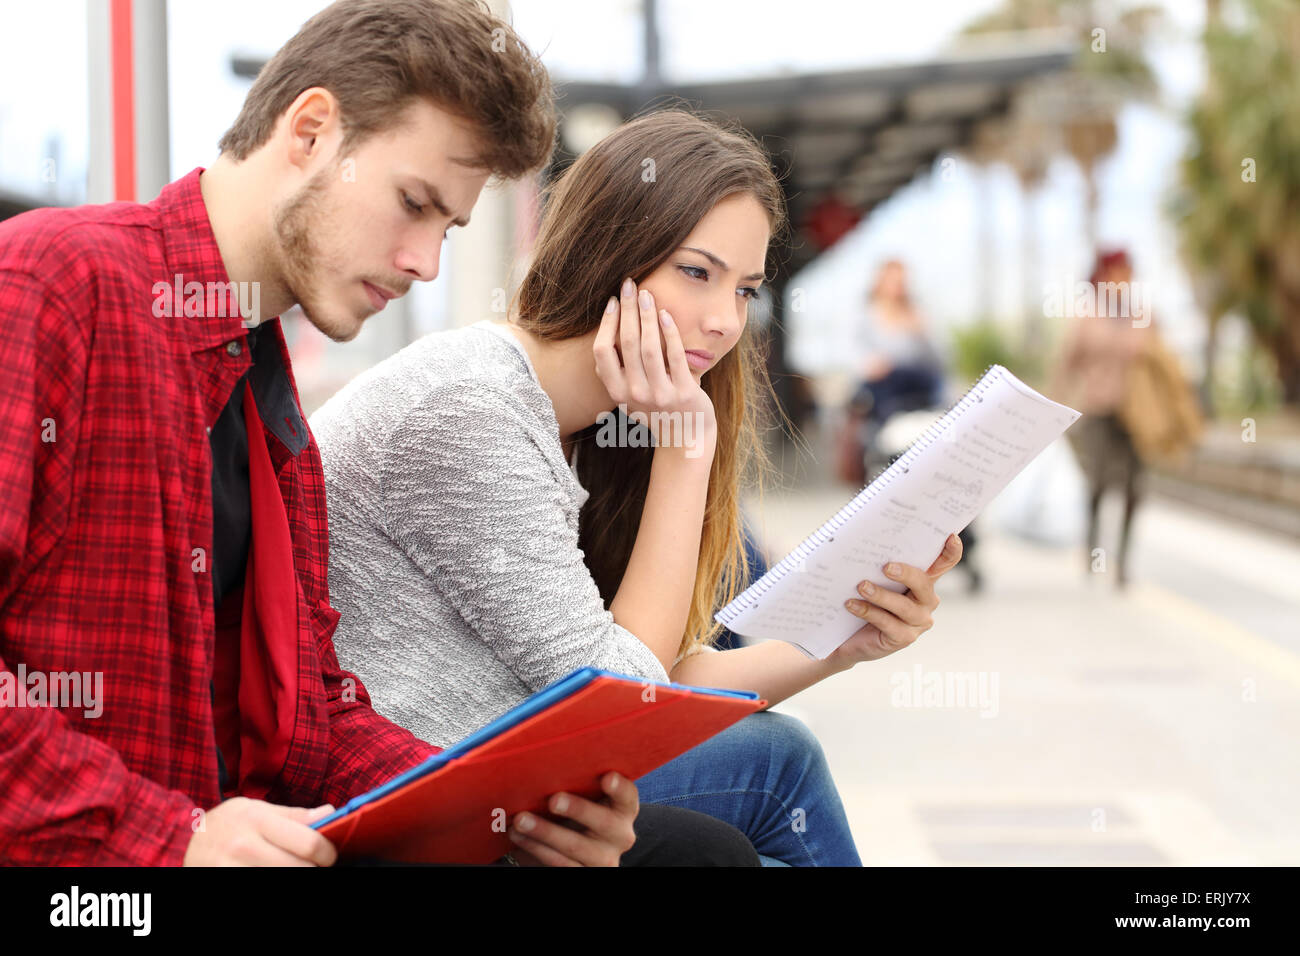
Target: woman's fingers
[677, 365]
[903, 606]
[881, 643]
[893, 620]
[608, 367]
[652, 350]
[920, 583]
[629, 336]
[894, 632]
[900, 618]
[948, 557]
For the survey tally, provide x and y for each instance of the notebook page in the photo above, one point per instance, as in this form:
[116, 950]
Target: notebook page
[934, 489]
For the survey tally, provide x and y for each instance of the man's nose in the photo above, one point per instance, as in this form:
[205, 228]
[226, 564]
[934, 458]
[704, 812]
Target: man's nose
[422, 262]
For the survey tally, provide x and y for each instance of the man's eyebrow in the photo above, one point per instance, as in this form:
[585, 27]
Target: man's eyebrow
[435, 197]
[755, 277]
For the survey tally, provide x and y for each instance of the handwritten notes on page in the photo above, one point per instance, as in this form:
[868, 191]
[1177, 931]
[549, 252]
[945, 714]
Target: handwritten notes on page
[934, 489]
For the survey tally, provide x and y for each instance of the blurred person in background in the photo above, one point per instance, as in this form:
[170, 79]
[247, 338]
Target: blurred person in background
[900, 369]
[1135, 402]
[900, 366]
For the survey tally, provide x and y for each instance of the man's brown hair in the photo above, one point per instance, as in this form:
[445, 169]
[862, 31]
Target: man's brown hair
[376, 56]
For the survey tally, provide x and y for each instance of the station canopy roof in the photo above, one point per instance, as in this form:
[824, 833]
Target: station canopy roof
[850, 138]
[844, 140]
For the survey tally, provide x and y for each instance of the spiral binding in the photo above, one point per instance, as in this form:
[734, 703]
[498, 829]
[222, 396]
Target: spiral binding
[746, 600]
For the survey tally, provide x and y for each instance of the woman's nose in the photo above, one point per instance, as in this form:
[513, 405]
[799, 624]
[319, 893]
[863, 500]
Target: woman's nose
[723, 322]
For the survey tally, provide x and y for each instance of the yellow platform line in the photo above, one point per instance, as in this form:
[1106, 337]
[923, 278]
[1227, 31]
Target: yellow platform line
[1213, 627]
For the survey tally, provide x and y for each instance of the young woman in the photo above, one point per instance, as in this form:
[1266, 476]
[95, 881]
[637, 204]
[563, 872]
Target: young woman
[492, 529]
[899, 365]
[1094, 371]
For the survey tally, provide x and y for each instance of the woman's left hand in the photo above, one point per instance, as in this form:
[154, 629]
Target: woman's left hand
[895, 620]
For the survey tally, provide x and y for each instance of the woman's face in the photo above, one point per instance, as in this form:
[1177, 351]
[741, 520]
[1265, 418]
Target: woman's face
[893, 282]
[707, 282]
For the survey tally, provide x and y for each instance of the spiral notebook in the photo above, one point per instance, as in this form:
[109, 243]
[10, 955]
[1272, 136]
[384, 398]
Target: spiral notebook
[935, 488]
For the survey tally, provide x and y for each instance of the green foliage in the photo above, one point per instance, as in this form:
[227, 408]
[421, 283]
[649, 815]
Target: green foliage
[983, 343]
[1238, 202]
[1251, 388]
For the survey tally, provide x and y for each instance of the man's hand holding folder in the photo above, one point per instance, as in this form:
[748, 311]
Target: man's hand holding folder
[605, 836]
[244, 832]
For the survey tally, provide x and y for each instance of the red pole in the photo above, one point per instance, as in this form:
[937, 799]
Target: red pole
[123, 63]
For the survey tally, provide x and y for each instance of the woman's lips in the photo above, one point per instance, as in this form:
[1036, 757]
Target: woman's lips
[699, 359]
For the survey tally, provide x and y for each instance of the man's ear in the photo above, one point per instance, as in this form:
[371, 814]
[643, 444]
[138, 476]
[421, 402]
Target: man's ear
[314, 126]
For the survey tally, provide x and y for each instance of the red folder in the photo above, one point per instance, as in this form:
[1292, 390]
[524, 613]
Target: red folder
[455, 807]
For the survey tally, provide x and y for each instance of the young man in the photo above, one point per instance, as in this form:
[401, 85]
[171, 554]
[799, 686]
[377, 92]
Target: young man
[162, 512]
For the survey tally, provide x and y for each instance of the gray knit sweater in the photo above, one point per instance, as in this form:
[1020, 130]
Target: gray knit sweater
[453, 517]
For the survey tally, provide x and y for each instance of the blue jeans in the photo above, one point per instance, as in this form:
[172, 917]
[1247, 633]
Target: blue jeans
[766, 776]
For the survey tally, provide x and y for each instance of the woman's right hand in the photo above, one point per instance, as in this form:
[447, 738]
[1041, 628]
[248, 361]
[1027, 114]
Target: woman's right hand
[641, 361]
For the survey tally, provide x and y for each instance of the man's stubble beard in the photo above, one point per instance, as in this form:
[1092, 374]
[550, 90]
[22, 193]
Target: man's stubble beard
[293, 223]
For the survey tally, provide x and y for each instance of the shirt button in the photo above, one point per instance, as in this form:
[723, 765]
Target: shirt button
[233, 348]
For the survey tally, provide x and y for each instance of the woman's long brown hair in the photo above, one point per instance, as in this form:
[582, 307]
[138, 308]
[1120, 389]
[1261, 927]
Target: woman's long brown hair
[621, 210]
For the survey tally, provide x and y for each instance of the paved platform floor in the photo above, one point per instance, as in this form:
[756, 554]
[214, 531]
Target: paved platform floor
[1158, 725]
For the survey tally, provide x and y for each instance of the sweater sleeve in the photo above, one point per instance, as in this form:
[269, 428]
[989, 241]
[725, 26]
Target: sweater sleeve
[473, 502]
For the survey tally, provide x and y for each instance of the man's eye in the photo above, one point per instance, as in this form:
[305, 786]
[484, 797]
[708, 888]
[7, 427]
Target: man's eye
[412, 205]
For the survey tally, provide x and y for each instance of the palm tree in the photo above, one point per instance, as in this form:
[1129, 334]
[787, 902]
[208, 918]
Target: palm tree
[1074, 112]
[1071, 113]
[1238, 201]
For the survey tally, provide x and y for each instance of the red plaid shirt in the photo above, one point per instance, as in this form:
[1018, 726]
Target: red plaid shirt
[106, 538]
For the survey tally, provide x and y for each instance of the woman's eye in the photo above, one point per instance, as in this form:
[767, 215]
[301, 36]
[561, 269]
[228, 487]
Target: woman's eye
[695, 272]
[412, 205]
[748, 292]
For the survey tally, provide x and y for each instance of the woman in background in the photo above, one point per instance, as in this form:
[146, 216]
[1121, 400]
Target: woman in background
[900, 368]
[897, 367]
[1093, 375]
